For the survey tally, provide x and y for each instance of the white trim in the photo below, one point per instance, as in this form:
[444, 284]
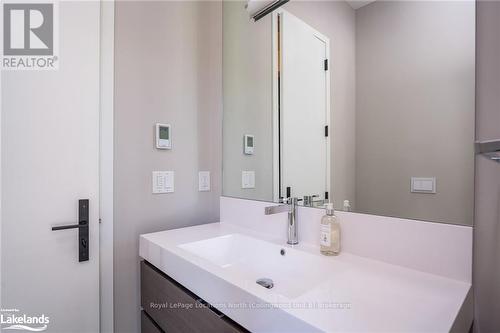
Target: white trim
[106, 82]
[275, 110]
[275, 115]
[1, 111]
[328, 119]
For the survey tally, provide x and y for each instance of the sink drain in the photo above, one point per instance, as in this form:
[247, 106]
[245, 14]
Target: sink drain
[265, 282]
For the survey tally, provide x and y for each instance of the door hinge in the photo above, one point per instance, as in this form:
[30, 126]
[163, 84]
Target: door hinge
[326, 195]
[326, 131]
[326, 64]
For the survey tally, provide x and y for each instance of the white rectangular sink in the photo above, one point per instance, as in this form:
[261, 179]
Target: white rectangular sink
[293, 272]
[221, 263]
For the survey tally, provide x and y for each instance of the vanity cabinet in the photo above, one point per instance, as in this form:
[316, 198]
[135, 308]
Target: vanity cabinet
[170, 307]
[148, 325]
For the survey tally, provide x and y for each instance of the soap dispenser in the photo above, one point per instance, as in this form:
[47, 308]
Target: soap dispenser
[347, 206]
[329, 233]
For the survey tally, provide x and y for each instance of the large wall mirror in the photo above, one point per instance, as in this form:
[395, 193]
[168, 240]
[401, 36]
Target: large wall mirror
[368, 104]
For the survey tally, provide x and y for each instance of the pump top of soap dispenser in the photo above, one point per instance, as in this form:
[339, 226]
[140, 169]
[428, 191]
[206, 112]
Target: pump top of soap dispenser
[329, 209]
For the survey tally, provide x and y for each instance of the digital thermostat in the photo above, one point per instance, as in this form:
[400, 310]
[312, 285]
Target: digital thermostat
[163, 136]
[249, 144]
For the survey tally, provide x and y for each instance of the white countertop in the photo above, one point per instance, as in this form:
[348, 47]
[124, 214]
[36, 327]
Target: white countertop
[357, 294]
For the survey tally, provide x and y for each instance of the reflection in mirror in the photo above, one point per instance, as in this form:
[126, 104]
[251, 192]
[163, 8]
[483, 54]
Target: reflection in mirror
[371, 107]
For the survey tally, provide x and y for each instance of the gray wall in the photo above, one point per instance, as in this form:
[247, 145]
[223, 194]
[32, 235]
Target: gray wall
[486, 273]
[248, 94]
[248, 101]
[415, 108]
[168, 64]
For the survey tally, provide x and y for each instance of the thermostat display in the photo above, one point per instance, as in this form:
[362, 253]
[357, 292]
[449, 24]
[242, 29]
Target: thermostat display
[163, 136]
[249, 145]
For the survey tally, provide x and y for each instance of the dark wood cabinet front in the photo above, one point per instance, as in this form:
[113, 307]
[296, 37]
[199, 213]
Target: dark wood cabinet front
[148, 325]
[173, 308]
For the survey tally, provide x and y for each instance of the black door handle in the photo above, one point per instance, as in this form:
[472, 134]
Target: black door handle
[72, 226]
[83, 229]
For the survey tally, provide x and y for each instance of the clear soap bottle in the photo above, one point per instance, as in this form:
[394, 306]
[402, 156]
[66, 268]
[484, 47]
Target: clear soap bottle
[329, 233]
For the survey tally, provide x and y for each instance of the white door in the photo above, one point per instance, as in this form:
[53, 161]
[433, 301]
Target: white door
[304, 109]
[50, 160]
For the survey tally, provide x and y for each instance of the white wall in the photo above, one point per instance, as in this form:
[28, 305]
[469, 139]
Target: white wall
[107, 30]
[248, 94]
[168, 65]
[415, 67]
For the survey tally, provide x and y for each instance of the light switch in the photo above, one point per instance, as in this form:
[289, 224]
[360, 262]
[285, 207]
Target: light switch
[423, 185]
[204, 181]
[248, 179]
[163, 182]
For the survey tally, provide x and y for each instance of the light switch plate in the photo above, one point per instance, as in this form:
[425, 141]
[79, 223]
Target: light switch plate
[247, 179]
[204, 181]
[423, 184]
[163, 182]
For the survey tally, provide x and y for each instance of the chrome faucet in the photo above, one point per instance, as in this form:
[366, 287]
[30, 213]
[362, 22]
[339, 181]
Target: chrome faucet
[290, 206]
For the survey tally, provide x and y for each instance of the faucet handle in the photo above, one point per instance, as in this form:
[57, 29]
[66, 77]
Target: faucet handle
[289, 199]
[292, 200]
[284, 201]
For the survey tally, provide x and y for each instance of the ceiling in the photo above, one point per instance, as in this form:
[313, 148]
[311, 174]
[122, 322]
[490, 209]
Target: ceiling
[356, 4]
